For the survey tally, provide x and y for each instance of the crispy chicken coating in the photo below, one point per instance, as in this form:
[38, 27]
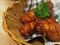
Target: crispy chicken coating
[51, 6]
[27, 29]
[28, 17]
[54, 30]
[48, 27]
[42, 25]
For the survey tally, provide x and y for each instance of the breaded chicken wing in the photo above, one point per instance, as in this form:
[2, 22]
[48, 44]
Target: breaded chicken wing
[27, 29]
[27, 17]
[49, 29]
[54, 30]
[42, 25]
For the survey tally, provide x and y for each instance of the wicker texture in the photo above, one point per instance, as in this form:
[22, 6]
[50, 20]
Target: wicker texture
[11, 21]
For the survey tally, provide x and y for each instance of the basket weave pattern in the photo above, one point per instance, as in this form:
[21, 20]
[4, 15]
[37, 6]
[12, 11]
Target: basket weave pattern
[11, 21]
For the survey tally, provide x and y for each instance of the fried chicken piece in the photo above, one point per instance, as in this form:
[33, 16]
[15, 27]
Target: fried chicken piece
[27, 17]
[51, 6]
[27, 29]
[49, 29]
[42, 25]
[54, 30]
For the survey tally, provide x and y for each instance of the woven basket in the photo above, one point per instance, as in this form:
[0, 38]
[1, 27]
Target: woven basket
[11, 22]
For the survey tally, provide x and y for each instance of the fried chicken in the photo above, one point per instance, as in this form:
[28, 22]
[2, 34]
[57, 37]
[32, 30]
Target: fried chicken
[47, 27]
[27, 29]
[54, 30]
[41, 25]
[27, 17]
